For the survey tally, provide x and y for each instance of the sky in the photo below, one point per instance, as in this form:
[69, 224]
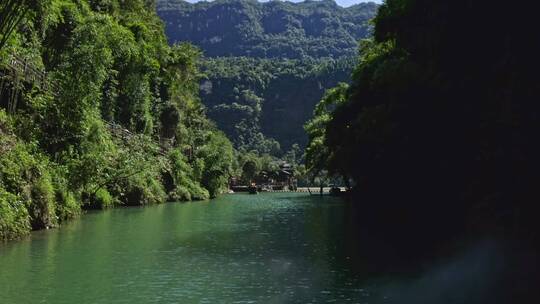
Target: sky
[344, 3]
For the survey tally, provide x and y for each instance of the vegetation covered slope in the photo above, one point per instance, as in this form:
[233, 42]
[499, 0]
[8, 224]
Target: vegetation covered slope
[117, 122]
[268, 63]
[255, 99]
[440, 124]
[277, 29]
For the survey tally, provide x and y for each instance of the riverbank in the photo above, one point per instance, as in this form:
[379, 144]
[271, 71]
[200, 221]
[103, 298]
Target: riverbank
[41, 191]
[18, 229]
[314, 190]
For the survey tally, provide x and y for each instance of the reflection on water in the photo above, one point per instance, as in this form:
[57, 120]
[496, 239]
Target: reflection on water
[269, 248]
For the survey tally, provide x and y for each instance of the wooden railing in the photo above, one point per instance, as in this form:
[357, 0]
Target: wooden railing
[21, 68]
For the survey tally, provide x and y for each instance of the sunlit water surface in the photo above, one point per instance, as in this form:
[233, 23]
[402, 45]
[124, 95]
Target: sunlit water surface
[267, 248]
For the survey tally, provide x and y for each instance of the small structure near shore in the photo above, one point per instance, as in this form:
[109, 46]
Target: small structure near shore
[282, 179]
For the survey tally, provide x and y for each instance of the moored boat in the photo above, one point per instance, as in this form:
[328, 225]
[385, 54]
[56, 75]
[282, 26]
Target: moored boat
[252, 190]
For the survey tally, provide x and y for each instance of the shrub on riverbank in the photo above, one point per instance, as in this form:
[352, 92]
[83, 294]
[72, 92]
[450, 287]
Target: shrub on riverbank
[67, 205]
[141, 190]
[184, 185]
[25, 179]
[14, 219]
[102, 199]
[41, 205]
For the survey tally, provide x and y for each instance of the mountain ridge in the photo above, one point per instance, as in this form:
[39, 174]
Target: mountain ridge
[273, 29]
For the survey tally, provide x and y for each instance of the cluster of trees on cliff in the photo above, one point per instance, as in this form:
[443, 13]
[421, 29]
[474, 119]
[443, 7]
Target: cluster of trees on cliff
[441, 119]
[119, 122]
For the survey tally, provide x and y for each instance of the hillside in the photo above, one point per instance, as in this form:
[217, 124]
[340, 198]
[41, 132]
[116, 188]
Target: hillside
[252, 99]
[268, 64]
[268, 30]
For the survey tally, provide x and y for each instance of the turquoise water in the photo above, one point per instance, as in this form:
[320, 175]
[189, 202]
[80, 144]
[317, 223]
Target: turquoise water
[268, 248]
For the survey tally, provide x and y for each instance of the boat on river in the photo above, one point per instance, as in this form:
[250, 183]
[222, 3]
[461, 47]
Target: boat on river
[335, 191]
[252, 189]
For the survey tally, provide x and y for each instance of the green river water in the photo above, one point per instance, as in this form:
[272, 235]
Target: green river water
[267, 248]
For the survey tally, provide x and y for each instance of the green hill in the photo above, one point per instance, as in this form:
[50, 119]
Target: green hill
[268, 30]
[268, 64]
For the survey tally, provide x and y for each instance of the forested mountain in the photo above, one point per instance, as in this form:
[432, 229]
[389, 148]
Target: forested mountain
[268, 64]
[265, 30]
[96, 110]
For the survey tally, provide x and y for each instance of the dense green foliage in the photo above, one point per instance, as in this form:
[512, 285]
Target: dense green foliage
[249, 97]
[268, 64]
[317, 153]
[442, 115]
[276, 29]
[119, 123]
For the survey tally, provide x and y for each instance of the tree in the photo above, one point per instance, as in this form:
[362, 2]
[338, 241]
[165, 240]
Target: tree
[13, 12]
[217, 155]
[317, 154]
[249, 170]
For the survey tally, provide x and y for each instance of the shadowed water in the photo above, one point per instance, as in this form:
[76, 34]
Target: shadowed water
[268, 248]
